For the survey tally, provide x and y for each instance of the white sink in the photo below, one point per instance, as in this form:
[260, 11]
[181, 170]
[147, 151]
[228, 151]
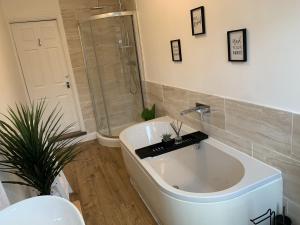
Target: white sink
[43, 210]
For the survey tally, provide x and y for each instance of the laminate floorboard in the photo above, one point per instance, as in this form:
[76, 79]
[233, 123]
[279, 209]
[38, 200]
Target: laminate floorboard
[101, 183]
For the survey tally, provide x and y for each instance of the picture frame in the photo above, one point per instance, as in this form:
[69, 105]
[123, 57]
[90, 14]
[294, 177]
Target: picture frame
[176, 50]
[237, 45]
[198, 21]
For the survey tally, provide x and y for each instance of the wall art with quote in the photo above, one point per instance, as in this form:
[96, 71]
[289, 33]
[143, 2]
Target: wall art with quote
[198, 21]
[176, 50]
[237, 45]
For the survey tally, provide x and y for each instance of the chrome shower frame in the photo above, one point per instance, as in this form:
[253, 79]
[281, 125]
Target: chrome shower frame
[138, 52]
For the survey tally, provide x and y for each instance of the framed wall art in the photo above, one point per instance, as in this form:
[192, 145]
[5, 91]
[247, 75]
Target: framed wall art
[237, 45]
[198, 21]
[176, 50]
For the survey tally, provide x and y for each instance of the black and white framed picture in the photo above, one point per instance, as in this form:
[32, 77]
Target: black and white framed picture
[198, 21]
[237, 45]
[176, 50]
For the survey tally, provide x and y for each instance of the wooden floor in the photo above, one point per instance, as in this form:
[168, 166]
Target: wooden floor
[101, 183]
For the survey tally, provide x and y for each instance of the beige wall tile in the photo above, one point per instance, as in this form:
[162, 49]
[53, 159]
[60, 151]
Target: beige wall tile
[153, 91]
[294, 212]
[129, 4]
[153, 94]
[70, 22]
[73, 4]
[266, 126]
[74, 44]
[84, 98]
[82, 84]
[87, 110]
[176, 96]
[289, 167]
[296, 136]
[175, 101]
[239, 143]
[178, 100]
[77, 59]
[90, 125]
[195, 124]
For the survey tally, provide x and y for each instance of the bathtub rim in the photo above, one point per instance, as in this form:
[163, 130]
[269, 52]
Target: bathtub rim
[218, 196]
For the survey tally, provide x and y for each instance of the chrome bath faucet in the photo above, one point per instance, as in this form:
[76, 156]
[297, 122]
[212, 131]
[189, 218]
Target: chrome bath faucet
[200, 108]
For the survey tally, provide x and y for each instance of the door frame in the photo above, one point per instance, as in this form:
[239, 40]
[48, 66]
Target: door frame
[63, 39]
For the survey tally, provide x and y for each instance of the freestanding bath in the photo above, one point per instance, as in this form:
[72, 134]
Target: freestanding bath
[210, 184]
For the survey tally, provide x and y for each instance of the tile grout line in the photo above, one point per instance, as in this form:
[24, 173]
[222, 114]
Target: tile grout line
[225, 116]
[275, 151]
[163, 93]
[292, 133]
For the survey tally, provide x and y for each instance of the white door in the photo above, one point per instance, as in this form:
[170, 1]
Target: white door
[44, 67]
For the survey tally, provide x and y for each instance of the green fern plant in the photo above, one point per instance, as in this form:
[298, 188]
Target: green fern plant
[148, 114]
[32, 146]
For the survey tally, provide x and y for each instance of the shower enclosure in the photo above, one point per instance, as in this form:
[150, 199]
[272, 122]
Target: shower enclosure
[110, 50]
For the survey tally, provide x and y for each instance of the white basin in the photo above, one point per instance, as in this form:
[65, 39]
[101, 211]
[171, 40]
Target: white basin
[43, 210]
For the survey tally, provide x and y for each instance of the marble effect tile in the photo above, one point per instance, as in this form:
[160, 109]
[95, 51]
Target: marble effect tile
[269, 127]
[237, 142]
[289, 167]
[175, 100]
[296, 136]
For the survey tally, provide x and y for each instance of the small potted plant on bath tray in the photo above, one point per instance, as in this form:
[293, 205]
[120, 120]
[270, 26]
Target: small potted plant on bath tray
[167, 140]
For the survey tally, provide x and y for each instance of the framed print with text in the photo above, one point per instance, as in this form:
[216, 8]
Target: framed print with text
[198, 21]
[176, 50]
[237, 45]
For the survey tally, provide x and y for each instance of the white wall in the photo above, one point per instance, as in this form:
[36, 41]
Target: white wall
[11, 85]
[12, 90]
[271, 76]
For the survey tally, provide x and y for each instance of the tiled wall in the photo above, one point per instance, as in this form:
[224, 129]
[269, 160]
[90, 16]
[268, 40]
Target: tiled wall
[267, 134]
[72, 11]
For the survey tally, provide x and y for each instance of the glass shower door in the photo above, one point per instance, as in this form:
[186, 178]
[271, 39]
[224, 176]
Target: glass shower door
[94, 79]
[115, 55]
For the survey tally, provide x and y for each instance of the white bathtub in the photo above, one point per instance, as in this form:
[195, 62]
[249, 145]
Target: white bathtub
[211, 185]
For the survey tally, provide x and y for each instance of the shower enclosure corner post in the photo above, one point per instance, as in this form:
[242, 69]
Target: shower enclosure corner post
[139, 52]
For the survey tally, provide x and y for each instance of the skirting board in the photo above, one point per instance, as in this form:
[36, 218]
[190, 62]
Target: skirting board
[89, 137]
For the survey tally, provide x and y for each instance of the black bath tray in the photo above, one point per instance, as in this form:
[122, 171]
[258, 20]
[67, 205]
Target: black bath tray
[159, 148]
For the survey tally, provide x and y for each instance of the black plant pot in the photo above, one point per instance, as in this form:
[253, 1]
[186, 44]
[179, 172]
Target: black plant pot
[168, 143]
[282, 220]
